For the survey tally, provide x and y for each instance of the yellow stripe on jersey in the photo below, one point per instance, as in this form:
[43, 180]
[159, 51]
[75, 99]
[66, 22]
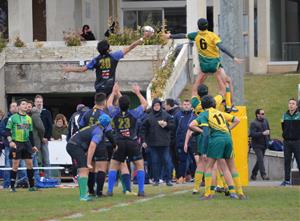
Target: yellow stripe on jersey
[206, 43]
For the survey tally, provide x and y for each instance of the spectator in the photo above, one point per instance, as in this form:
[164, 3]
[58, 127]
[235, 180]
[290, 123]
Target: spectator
[2, 114]
[46, 117]
[291, 138]
[172, 108]
[87, 34]
[73, 125]
[60, 127]
[260, 137]
[182, 120]
[8, 163]
[38, 132]
[156, 133]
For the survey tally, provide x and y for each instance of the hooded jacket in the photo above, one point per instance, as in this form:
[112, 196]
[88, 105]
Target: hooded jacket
[152, 133]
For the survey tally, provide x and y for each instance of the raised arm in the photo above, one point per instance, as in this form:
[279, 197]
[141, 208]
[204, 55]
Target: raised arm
[136, 89]
[133, 45]
[68, 69]
[115, 93]
[223, 49]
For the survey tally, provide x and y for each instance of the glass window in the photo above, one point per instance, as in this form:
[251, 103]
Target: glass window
[4, 18]
[130, 19]
[150, 17]
[176, 19]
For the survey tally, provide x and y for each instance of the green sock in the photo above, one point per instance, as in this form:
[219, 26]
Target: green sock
[82, 183]
[212, 190]
[231, 189]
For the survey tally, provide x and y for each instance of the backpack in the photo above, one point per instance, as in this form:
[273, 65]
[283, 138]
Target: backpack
[276, 145]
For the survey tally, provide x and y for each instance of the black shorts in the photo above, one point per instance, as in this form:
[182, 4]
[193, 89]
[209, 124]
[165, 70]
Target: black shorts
[101, 153]
[109, 149]
[78, 155]
[23, 151]
[127, 148]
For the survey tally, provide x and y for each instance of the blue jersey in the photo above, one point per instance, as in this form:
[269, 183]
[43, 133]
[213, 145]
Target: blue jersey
[105, 66]
[91, 117]
[88, 134]
[125, 123]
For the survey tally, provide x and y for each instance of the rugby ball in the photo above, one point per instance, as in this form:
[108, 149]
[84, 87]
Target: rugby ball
[148, 31]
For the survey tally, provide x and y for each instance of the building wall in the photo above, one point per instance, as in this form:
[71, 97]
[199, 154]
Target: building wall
[29, 70]
[20, 19]
[71, 15]
[2, 82]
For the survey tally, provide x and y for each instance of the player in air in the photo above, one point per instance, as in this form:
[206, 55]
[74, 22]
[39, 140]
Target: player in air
[209, 46]
[125, 126]
[105, 64]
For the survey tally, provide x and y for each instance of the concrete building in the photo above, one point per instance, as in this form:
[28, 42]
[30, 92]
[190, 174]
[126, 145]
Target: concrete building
[271, 27]
[271, 32]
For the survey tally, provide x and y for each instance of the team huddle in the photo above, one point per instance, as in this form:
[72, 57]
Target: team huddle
[109, 131]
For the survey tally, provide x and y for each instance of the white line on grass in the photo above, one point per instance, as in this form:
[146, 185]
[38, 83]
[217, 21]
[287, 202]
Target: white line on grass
[80, 215]
[74, 216]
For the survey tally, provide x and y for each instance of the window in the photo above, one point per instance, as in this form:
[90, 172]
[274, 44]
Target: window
[132, 19]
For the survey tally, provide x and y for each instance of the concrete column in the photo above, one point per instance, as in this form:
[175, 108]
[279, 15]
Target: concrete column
[2, 82]
[195, 9]
[259, 64]
[216, 16]
[20, 19]
[103, 17]
[60, 17]
[231, 31]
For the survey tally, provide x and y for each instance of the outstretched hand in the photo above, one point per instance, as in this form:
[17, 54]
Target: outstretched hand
[66, 68]
[165, 36]
[136, 88]
[238, 60]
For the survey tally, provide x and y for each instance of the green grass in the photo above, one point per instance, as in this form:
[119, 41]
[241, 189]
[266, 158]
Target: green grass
[264, 203]
[270, 92]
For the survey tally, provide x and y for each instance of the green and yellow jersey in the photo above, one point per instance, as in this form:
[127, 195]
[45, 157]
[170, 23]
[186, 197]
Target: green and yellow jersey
[216, 120]
[20, 126]
[196, 104]
[206, 42]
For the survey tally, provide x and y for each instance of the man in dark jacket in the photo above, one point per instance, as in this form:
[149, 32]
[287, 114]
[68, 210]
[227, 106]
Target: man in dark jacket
[156, 134]
[182, 120]
[38, 132]
[172, 108]
[260, 137]
[8, 163]
[46, 117]
[291, 134]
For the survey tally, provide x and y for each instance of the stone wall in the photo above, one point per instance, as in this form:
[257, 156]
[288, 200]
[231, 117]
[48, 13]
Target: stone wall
[274, 164]
[31, 70]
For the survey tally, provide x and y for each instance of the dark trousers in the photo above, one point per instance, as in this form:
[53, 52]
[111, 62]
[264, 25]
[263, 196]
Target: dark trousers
[259, 165]
[290, 148]
[182, 163]
[160, 159]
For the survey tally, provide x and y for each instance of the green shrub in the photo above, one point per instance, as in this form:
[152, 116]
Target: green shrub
[72, 38]
[161, 76]
[2, 43]
[129, 35]
[19, 43]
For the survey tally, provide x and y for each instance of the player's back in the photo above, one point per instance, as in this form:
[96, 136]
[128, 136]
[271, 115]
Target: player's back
[217, 121]
[206, 42]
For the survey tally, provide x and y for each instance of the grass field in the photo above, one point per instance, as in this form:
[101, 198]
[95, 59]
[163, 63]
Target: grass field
[161, 203]
[270, 92]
